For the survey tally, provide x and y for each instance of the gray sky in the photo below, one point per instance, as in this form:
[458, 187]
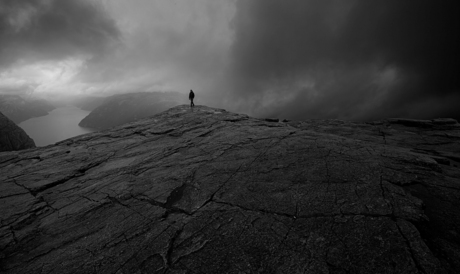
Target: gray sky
[297, 59]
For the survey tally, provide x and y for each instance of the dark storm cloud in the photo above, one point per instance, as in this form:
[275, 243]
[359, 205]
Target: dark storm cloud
[347, 59]
[53, 29]
[167, 45]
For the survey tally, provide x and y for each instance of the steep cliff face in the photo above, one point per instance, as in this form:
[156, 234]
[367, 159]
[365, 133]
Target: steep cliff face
[204, 190]
[12, 137]
[124, 108]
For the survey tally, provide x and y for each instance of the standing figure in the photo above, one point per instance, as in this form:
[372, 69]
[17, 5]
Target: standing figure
[191, 95]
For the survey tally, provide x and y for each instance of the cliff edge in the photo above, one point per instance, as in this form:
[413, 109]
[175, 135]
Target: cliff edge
[204, 190]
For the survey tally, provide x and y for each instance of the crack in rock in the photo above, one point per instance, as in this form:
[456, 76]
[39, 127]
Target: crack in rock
[205, 190]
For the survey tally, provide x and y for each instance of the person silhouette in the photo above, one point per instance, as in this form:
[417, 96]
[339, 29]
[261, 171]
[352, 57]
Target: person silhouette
[191, 96]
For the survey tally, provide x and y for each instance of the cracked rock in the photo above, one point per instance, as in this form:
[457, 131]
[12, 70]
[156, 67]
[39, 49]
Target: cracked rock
[204, 190]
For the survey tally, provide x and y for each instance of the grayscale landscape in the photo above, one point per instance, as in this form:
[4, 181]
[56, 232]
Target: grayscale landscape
[229, 136]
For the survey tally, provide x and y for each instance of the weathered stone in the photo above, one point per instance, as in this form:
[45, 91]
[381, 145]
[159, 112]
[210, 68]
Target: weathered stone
[204, 190]
[12, 137]
[444, 121]
[423, 123]
[411, 122]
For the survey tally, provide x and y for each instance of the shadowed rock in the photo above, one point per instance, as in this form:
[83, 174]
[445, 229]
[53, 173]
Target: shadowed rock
[204, 190]
[12, 137]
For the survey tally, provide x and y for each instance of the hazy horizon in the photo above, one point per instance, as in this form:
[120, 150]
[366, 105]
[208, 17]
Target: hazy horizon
[353, 60]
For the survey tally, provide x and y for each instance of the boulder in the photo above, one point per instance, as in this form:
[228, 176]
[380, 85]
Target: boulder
[203, 190]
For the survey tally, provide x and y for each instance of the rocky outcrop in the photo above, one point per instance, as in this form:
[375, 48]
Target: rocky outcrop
[204, 190]
[124, 108]
[19, 109]
[12, 137]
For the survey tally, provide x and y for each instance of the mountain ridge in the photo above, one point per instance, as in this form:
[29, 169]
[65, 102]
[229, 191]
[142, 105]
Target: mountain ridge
[206, 190]
[128, 107]
[19, 109]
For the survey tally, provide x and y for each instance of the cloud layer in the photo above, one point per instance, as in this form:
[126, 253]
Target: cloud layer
[49, 37]
[346, 59]
[53, 29]
[108, 47]
[356, 59]
[167, 45]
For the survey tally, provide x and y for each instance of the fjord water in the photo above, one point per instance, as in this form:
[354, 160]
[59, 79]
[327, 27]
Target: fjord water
[59, 124]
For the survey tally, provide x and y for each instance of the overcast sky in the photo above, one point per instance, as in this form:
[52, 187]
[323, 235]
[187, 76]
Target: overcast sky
[297, 59]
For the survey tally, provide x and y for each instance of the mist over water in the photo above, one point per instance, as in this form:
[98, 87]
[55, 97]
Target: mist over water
[58, 125]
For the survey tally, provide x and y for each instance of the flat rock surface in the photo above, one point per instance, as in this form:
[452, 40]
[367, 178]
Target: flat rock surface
[204, 190]
[12, 137]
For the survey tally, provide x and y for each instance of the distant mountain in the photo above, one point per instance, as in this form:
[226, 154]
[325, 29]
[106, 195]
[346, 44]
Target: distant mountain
[12, 137]
[124, 108]
[19, 109]
[88, 103]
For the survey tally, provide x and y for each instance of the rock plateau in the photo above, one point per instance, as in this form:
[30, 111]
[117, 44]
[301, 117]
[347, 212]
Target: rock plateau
[204, 190]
